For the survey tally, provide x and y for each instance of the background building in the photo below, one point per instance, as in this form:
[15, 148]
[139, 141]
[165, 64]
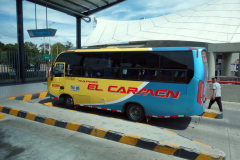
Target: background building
[214, 25]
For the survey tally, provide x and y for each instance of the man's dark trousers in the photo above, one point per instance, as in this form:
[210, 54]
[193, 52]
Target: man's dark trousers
[218, 99]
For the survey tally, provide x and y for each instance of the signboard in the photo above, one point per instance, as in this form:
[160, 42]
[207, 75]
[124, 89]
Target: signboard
[233, 66]
[75, 88]
[218, 66]
[46, 56]
[42, 32]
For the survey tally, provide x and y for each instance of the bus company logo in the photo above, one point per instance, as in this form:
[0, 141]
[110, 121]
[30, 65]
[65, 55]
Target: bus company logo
[135, 91]
[86, 81]
[55, 85]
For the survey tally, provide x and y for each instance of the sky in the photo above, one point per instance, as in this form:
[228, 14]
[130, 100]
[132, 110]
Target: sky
[66, 25]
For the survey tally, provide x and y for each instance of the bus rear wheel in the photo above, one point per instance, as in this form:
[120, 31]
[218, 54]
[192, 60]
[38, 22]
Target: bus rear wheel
[135, 112]
[69, 102]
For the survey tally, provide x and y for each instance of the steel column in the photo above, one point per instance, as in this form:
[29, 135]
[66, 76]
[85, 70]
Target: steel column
[20, 38]
[78, 32]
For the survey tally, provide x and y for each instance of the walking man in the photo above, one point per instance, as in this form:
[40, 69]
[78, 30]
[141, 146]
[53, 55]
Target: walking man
[216, 94]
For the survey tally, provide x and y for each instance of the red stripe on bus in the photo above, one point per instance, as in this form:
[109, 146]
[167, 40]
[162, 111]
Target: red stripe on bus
[195, 50]
[114, 110]
[77, 104]
[166, 116]
[69, 51]
[94, 107]
[174, 116]
[85, 106]
[55, 98]
[104, 108]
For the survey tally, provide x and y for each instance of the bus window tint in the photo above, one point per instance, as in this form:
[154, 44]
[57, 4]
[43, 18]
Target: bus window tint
[163, 66]
[102, 65]
[74, 60]
[176, 66]
[59, 70]
[140, 65]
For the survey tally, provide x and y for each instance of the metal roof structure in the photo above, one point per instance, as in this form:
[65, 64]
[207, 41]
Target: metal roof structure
[75, 8]
[217, 21]
[80, 9]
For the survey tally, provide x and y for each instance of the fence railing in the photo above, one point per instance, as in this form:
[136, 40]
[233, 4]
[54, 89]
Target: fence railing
[35, 67]
[227, 79]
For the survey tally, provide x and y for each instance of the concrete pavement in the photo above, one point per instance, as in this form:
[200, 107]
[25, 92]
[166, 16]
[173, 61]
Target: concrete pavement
[223, 134]
[19, 88]
[149, 132]
[21, 139]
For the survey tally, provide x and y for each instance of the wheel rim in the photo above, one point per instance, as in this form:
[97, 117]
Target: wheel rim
[135, 113]
[69, 101]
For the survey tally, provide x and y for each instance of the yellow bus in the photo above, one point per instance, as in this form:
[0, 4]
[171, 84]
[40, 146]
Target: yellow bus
[153, 82]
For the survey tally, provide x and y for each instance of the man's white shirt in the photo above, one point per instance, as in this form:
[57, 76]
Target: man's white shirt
[217, 87]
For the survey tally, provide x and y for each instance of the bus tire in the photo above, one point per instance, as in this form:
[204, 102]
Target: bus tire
[135, 112]
[68, 100]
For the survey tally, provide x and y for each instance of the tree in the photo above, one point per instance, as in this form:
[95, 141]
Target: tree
[1, 46]
[29, 47]
[10, 47]
[57, 48]
[41, 48]
[68, 45]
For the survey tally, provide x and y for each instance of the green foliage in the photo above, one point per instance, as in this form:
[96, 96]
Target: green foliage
[29, 47]
[57, 48]
[41, 48]
[68, 45]
[10, 47]
[1, 46]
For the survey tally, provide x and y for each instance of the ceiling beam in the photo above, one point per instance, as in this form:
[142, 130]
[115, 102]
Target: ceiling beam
[77, 4]
[58, 7]
[105, 1]
[88, 13]
[91, 3]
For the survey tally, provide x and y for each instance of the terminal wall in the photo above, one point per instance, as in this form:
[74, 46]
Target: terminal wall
[230, 92]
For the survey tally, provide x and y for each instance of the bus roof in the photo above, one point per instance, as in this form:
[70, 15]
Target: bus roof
[135, 49]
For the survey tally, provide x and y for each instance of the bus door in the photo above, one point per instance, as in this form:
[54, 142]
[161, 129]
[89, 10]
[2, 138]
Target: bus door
[58, 81]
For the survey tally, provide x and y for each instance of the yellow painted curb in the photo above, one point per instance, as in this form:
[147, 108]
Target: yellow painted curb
[1, 116]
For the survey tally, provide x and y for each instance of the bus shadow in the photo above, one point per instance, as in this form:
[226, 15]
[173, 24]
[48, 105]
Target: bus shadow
[180, 123]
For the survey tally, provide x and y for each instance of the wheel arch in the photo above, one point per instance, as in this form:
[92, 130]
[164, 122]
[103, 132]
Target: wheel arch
[63, 95]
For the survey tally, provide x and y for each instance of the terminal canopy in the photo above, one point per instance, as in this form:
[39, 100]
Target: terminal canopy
[77, 8]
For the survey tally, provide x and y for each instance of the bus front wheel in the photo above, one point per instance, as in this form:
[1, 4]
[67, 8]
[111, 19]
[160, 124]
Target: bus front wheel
[69, 102]
[135, 112]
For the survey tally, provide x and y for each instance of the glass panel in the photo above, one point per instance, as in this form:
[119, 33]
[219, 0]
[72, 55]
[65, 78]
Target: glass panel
[148, 75]
[131, 61]
[176, 60]
[59, 70]
[140, 60]
[180, 76]
[166, 75]
[130, 74]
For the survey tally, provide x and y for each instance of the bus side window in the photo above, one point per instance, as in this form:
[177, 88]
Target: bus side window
[97, 73]
[59, 70]
[166, 75]
[180, 76]
[148, 75]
